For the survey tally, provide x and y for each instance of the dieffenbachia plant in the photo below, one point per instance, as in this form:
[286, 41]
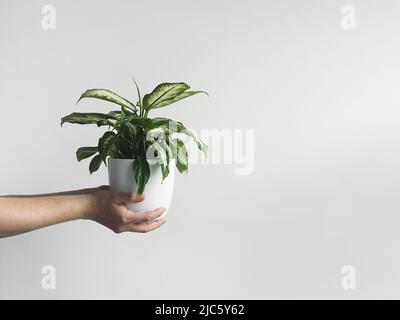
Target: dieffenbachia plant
[132, 134]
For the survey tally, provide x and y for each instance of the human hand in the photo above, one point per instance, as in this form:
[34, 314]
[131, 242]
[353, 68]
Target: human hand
[109, 209]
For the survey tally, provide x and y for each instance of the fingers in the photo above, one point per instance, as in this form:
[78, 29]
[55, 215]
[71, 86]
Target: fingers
[124, 197]
[142, 217]
[144, 227]
[140, 222]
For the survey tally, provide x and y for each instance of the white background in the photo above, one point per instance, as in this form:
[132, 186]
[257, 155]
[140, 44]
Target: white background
[324, 103]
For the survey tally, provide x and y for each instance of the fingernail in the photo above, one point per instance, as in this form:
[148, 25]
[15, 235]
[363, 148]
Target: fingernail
[139, 197]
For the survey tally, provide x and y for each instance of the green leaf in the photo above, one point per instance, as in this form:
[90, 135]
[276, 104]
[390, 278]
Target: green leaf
[115, 114]
[154, 133]
[160, 121]
[167, 125]
[100, 119]
[85, 152]
[124, 148]
[181, 157]
[200, 144]
[173, 148]
[162, 93]
[179, 97]
[161, 152]
[179, 127]
[95, 164]
[168, 156]
[164, 171]
[127, 140]
[129, 131]
[115, 152]
[141, 173]
[169, 149]
[105, 143]
[108, 95]
[138, 93]
[144, 122]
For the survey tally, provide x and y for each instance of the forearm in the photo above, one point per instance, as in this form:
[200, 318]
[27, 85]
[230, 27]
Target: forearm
[20, 214]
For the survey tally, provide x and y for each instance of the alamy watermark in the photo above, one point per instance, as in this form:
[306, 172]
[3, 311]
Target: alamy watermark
[48, 17]
[234, 147]
[349, 17]
[49, 277]
[348, 281]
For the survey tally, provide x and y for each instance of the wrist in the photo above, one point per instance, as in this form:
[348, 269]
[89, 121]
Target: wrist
[91, 204]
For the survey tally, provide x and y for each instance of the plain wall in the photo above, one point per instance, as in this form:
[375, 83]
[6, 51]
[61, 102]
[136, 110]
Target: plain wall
[323, 101]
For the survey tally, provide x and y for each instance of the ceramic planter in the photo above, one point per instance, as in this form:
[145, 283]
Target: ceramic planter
[157, 194]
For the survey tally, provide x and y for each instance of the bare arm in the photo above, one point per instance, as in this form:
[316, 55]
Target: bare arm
[19, 214]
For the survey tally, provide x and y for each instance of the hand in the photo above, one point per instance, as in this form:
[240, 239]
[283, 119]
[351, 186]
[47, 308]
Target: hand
[108, 208]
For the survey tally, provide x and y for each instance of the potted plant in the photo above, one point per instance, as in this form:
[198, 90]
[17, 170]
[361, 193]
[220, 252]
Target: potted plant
[141, 152]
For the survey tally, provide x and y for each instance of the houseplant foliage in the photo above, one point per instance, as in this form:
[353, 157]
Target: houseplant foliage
[132, 134]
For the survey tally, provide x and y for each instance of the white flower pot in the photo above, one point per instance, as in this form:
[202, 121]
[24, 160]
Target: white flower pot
[157, 194]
